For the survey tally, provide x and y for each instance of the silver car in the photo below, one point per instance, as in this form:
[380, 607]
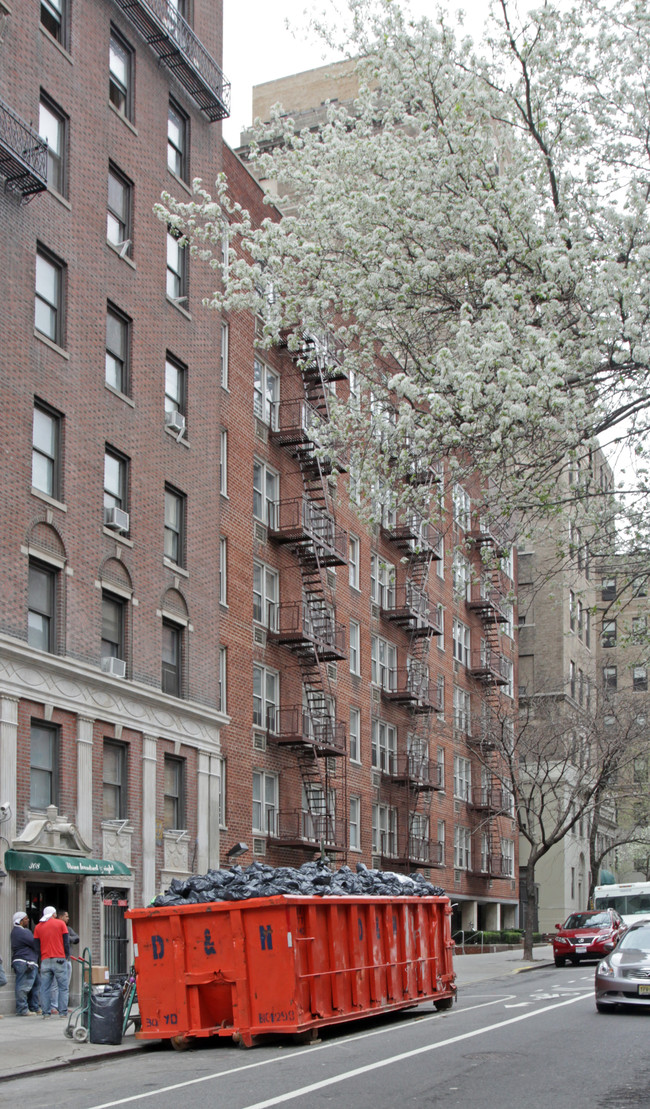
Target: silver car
[623, 976]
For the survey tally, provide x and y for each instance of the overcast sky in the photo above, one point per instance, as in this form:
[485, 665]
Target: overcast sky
[258, 46]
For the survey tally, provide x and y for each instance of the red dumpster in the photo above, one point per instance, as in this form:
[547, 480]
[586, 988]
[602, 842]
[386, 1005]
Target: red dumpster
[287, 964]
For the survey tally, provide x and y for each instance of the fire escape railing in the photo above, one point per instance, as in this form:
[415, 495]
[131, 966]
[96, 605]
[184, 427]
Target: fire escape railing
[23, 155]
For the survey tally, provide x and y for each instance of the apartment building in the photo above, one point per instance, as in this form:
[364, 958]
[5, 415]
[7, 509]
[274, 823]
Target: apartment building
[203, 648]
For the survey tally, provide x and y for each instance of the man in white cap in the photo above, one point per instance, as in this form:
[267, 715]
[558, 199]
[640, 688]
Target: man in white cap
[52, 935]
[24, 960]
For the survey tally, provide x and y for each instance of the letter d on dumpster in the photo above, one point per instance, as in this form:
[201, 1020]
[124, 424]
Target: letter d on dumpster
[157, 947]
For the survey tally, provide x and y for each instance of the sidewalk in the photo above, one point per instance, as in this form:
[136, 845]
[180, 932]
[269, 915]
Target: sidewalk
[31, 1044]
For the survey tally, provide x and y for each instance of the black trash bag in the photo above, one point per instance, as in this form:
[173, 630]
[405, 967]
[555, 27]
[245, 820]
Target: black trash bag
[106, 1015]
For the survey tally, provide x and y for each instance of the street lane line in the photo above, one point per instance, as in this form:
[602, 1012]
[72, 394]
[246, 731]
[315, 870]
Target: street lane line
[348, 1074]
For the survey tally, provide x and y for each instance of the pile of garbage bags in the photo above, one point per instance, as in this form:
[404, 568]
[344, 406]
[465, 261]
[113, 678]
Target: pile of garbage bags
[309, 880]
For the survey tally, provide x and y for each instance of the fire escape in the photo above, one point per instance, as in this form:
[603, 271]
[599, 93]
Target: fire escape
[23, 156]
[411, 775]
[492, 669]
[308, 627]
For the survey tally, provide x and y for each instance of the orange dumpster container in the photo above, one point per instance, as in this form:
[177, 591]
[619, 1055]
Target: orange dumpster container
[287, 964]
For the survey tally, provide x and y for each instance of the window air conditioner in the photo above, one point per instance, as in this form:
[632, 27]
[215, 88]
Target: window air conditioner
[116, 667]
[175, 421]
[116, 518]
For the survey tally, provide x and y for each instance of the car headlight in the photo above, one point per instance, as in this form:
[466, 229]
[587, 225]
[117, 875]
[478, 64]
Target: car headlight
[605, 970]
[561, 939]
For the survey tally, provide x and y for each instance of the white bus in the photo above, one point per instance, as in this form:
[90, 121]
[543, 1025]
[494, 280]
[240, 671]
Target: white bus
[630, 899]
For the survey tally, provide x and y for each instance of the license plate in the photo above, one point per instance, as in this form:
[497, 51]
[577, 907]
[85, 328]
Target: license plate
[581, 949]
[644, 989]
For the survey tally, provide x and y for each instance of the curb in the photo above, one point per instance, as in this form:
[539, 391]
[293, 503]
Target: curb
[81, 1061]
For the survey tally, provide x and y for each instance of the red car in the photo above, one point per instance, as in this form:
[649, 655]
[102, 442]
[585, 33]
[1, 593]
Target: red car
[588, 935]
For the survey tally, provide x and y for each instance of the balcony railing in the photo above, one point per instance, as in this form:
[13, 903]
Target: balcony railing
[486, 601]
[415, 851]
[413, 689]
[306, 830]
[296, 726]
[493, 866]
[486, 532]
[294, 422]
[420, 541]
[488, 799]
[418, 773]
[309, 632]
[489, 667]
[304, 524]
[23, 155]
[409, 607]
[173, 40]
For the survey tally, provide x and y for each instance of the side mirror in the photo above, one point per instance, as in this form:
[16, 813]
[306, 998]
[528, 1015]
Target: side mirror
[558, 925]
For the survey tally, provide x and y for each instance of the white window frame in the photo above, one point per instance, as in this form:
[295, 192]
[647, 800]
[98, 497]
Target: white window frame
[462, 710]
[266, 701]
[383, 662]
[461, 576]
[461, 640]
[265, 802]
[223, 679]
[382, 582]
[384, 822]
[462, 507]
[383, 745]
[354, 554]
[265, 481]
[355, 823]
[223, 463]
[462, 778]
[462, 848]
[440, 639]
[508, 857]
[266, 393]
[266, 587]
[223, 570]
[355, 735]
[225, 354]
[355, 647]
[222, 791]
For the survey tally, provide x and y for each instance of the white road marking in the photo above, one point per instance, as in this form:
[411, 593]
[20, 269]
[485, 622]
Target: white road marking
[345, 1076]
[518, 1005]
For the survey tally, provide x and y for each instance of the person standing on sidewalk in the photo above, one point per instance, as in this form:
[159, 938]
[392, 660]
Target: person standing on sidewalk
[73, 938]
[52, 935]
[24, 960]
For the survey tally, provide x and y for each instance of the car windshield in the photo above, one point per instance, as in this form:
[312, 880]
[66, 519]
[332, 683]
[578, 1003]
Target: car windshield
[637, 939]
[587, 920]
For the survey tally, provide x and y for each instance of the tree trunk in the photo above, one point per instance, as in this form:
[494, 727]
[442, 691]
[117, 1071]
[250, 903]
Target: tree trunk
[530, 910]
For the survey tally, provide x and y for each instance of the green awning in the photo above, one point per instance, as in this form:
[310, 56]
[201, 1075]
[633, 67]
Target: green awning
[75, 865]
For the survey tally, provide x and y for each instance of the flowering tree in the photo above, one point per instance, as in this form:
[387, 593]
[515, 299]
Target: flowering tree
[475, 237]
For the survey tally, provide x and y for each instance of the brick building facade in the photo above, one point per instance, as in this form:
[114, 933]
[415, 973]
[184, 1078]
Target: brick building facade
[200, 644]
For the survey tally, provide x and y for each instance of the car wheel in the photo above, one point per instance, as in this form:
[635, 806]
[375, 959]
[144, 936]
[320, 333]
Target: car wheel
[574, 962]
[560, 960]
[604, 1008]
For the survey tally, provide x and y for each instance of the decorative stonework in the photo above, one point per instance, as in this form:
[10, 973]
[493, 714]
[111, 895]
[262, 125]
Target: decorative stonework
[116, 841]
[84, 691]
[51, 834]
[176, 854]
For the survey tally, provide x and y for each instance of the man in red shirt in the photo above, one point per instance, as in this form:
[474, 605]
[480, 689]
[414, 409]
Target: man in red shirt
[52, 936]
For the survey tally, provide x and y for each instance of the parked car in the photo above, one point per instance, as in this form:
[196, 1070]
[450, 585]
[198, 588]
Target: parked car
[588, 935]
[623, 977]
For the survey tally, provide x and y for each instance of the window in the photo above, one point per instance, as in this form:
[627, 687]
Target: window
[461, 507]
[507, 563]
[440, 564]
[266, 492]
[355, 823]
[175, 386]
[440, 763]
[172, 658]
[462, 778]
[118, 211]
[225, 347]
[608, 589]
[384, 829]
[178, 126]
[223, 679]
[175, 525]
[54, 19]
[384, 745]
[460, 576]
[113, 610]
[174, 796]
[114, 781]
[52, 126]
[41, 607]
[462, 848]
[382, 582]
[609, 677]
[353, 561]
[115, 481]
[222, 793]
[46, 451]
[508, 672]
[48, 305]
[355, 639]
[43, 765]
[383, 662]
[442, 834]
[461, 642]
[120, 83]
[572, 610]
[118, 329]
[355, 735]
[639, 679]
[223, 463]
[266, 590]
[265, 802]
[572, 678]
[266, 394]
[223, 570]
[639, 587]
[462, 713]
[266, 686]
[608, 636]
[176, 267]
[440, 623]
